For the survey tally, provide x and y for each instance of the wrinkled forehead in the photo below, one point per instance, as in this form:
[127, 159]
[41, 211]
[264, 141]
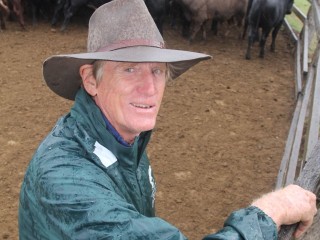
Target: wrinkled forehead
[115, 65]
[124, 64]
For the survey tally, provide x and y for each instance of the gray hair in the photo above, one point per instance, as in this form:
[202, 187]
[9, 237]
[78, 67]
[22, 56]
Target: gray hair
[98, 70]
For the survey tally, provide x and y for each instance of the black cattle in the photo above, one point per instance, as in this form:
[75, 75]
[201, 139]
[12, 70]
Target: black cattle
[59, 6]
[177, 14]
[157, 9]
[16, 11]
[41, 8]
[4, 12]
[267, 15]
[70, 8]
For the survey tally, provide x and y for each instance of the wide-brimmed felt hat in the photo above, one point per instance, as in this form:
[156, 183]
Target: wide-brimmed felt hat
[121, 30]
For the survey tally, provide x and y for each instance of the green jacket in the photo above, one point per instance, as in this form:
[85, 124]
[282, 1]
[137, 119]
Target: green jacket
[83, 184]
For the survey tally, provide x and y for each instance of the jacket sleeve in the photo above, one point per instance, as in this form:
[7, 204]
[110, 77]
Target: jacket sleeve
[247, 224]
[81, 203]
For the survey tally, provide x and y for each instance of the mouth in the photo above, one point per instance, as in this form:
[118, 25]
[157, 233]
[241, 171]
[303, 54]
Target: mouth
[142, 106]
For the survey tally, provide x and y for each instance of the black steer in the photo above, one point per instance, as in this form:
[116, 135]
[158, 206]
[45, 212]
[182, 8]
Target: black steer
[267, 15]
[157, 9]
[59, 6]
[70, 7]
[41, 8]
[4, 12]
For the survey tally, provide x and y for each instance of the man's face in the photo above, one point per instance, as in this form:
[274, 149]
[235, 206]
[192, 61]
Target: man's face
[130, 95]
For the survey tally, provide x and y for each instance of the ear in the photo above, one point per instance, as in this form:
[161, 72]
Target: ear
[88, 80]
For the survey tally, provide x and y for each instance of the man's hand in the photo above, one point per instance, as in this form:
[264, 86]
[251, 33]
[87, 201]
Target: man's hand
[289, 205]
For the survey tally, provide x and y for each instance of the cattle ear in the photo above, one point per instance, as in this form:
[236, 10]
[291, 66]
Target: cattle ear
[88, 80]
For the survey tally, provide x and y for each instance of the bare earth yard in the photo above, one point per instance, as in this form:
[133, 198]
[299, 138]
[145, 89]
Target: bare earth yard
[219, 138]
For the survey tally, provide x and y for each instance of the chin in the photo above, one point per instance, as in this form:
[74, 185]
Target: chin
[147, 126]
[141, 123]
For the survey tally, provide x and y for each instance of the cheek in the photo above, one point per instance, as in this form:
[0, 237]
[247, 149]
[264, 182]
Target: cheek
[104, 96]
[115, 99]
[161, 89]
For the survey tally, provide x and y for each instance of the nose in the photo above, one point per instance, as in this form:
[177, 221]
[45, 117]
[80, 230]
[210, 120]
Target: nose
[147, 83]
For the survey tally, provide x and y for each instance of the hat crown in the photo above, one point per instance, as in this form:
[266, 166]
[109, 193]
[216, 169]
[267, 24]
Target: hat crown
[122, 31]
[122, 23]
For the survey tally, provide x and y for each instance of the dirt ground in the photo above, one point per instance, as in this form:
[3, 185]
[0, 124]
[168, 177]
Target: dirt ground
[220, 133]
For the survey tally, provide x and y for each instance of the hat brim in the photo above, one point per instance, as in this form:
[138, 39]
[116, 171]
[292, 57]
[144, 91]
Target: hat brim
[61, 72]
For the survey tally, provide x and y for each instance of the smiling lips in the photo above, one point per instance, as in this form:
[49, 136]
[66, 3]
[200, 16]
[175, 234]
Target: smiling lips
[144, 106]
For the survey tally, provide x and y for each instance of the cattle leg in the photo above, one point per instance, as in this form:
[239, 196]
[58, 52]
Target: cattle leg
[57, 9]
[65, 23]
[186, 25]
[68, 15]
[239, 22]
[18, 10]
[262, 44]
[245, 28]
[248, 54]
[4, 9]
[274, 36]
[263, 40]
[214, 27]
[2, 21]
[204, 32]
[35, 12]
[4, 12]
[195, 27]
[251, 36]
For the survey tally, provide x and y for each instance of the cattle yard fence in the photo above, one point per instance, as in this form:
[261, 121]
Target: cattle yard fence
[304, 129]
[303, 134]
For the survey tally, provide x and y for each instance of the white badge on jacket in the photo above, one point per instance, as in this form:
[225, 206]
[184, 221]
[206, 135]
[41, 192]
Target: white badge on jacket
[105, 155]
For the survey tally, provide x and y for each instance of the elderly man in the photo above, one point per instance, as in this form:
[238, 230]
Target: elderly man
[91, 178]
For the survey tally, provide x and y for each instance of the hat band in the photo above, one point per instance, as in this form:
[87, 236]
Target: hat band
[131, 43]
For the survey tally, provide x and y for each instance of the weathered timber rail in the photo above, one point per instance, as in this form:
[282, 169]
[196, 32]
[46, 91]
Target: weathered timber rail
[301, 159]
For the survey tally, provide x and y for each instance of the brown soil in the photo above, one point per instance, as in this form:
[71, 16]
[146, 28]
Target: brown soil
[219, 138]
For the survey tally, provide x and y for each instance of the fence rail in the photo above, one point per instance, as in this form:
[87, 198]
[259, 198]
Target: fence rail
[305, 125]
[304, 129]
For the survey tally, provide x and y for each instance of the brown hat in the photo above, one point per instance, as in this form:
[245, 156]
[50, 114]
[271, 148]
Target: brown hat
[121, 30]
